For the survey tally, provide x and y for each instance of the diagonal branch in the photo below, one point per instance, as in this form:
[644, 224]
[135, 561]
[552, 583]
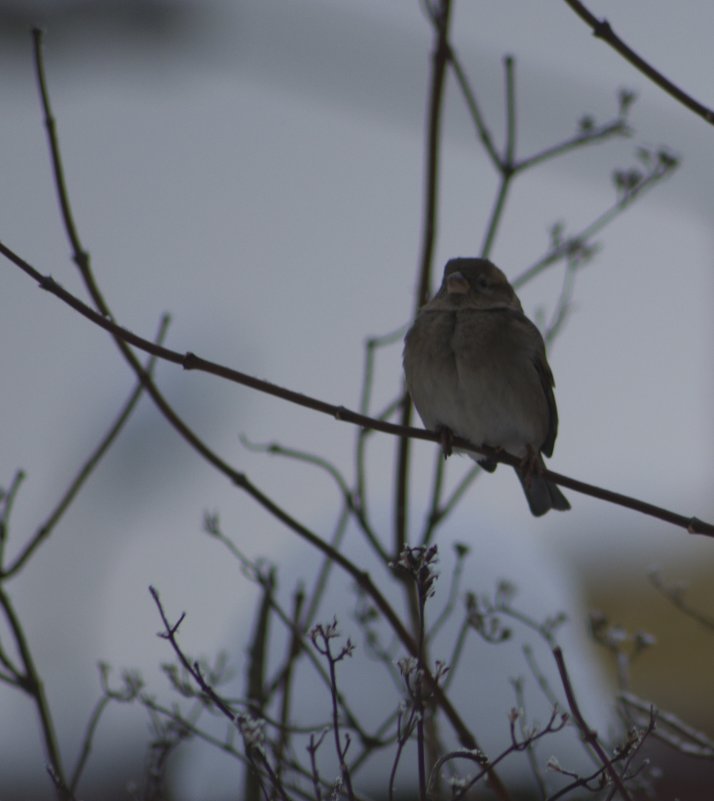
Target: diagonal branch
[588, 735]
[603, 30]
[190, 361]
[32, 684]
[44, 531]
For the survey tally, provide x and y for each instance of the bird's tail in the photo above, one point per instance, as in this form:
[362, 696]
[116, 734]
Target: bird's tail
[542, 495]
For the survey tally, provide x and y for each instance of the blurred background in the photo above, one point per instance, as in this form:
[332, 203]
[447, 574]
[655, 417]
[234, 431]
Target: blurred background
[255, 168]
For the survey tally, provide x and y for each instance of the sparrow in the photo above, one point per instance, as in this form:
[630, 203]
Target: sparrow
[476, 368]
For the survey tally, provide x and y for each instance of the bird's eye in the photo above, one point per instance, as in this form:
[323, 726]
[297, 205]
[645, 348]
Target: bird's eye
[482, 282]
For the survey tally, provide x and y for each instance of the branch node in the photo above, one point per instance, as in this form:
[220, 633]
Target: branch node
[47, 282]
[602, 29]
[239, 479]
[696, 526]
[190, 361]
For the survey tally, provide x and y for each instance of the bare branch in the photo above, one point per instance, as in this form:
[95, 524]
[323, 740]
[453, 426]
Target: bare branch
[441, 17]
[348, 496]
[506, 164]
[44, 531]
[675, 594]
[31, 683]
[588, 735]
[603, 30]
[190, 361]
[671, 729]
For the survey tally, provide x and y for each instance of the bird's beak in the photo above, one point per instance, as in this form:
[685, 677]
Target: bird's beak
[456, 284]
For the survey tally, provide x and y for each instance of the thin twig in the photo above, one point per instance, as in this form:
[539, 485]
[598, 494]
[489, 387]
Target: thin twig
[320, 585]
[7, 500]
[88, 740]
[276, 449]
[460, 553]
[468, 93]
[556, 722]
[671, 729]
[441, 19]
[44, 531]
[539, 676]
[676, 596]
[588, 735]
[257, 657]
[322, 636]
[286, 685]
[405, 727]
[519, 692]
[31, 683]
[458, 492]
[616, 127]
[296, 631]
[371, 346]
[255, 754]
[506, 164]
[563, 304]
[563, 250]
[469, 96]
[51, 126]
[603, 30]
[431, 517]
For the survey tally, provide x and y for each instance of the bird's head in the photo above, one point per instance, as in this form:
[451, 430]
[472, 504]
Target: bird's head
[476, 283]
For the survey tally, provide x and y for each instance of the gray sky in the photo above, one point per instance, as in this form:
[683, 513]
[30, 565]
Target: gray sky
[255, 169]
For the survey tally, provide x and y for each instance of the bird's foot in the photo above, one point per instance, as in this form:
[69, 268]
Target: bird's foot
[446, 440]
[530, 466]
[490, 462]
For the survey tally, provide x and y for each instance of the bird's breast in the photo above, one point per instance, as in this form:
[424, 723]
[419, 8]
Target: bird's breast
[467, 371]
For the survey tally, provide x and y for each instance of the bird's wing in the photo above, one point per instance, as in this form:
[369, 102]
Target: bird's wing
[547, 383]
[530, 337]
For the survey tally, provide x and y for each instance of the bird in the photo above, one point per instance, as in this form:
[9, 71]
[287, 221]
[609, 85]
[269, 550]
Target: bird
[476, 368]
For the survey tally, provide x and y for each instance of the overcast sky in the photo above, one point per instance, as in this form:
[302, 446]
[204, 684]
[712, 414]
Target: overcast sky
[255, 169]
